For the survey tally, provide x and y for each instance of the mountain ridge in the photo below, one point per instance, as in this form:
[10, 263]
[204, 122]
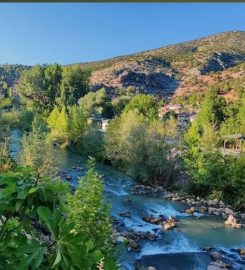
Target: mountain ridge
[162, 71]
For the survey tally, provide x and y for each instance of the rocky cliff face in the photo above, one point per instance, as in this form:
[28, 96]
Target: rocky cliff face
[219, 61]
[171, 70]
[141, 76]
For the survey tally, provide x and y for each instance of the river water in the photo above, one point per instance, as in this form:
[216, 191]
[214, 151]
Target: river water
[178, 249]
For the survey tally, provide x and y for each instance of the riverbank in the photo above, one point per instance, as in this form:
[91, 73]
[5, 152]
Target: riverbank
[186, 243]
[214, 258]
[197, 204]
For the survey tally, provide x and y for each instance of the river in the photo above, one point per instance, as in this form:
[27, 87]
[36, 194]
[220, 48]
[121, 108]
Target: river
[178, 249]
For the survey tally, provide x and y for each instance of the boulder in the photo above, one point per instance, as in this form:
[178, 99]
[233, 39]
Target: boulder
[68, 177]
[232, 222]
[229, 211]
[241, 251]
[213, 202]
[153, 220]
[224, 215]
[121, 239]
[151, 268]
[212, 210]
[242, 215]
[125, 214]
[169, 223]
[203, 209]
[214, 267]
[215, 255]
[190, 210]
[221, 204]
[127, 201]
[133, 244]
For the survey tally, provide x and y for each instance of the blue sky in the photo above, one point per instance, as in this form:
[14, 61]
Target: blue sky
[71, 33]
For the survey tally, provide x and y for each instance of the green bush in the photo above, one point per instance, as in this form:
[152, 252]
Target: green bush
[35, 231]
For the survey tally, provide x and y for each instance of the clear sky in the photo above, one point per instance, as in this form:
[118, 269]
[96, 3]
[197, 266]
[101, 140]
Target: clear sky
[71, 33]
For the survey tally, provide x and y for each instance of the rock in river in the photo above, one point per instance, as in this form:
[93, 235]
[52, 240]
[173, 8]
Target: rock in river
[133, 244]
[125, 214]
[232, 222]
[169, 223]
[190, 210]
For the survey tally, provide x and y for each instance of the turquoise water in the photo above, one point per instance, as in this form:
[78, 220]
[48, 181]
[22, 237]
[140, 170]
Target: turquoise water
[180, 249]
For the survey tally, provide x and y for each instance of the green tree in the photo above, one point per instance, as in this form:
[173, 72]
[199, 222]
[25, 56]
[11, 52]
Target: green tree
[212, 109]
[74, 84]
[145, 104]
[58, 123]
[53, 77]
[139, 147]
[77, 125]
[31, 87]
[38, 153]
[93, 102]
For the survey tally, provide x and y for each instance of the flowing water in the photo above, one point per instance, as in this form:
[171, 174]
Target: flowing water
[179, 249]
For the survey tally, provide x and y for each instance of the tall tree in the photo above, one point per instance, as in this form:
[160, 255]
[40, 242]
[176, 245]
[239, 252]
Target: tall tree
[31, 87]
[74, 84]
[53, 76]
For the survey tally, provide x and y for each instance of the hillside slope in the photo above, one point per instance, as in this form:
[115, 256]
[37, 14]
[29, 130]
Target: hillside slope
[175, 70]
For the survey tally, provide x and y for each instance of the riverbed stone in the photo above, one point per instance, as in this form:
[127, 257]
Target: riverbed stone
[121, 239]
[169, 223]
[229, 211]
[133, 244]
[153, 220]
[241, 251]
[68, 177]
[214, 267]
[214, 202]
[151, 268]
[215, 255]
[232, 222]
[242, 215]
[221, 204]
[125, 214]
[190, 210]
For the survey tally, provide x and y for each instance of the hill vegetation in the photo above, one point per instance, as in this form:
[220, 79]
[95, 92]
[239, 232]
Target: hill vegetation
[44, 224]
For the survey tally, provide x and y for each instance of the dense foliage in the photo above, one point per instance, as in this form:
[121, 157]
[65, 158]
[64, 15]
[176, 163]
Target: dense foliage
[46, 86]
[214, 174]
[139, 146]
[44, 226]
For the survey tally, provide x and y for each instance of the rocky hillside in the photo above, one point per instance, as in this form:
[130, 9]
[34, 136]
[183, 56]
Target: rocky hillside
[175, 70]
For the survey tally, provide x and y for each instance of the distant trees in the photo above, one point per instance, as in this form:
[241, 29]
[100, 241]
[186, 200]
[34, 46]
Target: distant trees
[92, 103]
[145, 104]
